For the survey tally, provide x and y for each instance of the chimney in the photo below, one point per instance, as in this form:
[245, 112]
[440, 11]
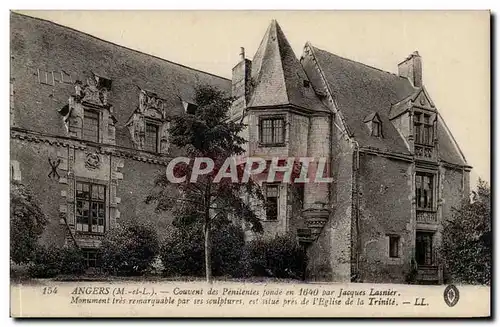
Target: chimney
[242, 54]
[411, 68]
[240, 85]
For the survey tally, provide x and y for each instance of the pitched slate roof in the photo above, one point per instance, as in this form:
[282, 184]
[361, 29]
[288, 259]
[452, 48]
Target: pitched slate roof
[40, 44]
[278, 76]
[448, 147]
[361, 90]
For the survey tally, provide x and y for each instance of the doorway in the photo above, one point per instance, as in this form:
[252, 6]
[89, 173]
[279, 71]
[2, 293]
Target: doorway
[424, 248]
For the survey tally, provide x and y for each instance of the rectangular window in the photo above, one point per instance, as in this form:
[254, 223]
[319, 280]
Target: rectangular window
[90, 128]
[376, 129]
[90, 258]
[424, 188]
[272, 131]
[423, 248]
[90, 207]
[416, 128]
[151, 140]
[394, 246]
[423, 129]
[272, 192]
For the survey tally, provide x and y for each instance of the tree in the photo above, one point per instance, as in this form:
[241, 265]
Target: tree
[182, 252]
[207, 133]
[467, 239]
[27, 223]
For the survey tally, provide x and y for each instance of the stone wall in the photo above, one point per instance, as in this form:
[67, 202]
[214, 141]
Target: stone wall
[127, 183]
[330, 255]
[385, 208]
[454, 188]
[34, 172]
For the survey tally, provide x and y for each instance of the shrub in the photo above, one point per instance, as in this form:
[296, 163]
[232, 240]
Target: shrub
[411, 274]
[72, 261]
[51, 261]
[129, 249]
[281, 257]
[182, 252]
[227, 250]
[27, 222]
[45, 263]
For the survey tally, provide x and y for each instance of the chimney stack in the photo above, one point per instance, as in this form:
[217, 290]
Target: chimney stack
[240, 85]
[242, 53]
[411, 68]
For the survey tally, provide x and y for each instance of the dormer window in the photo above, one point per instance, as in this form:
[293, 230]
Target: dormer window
[374, 124]
[423, 129]
[90, 127]
[376, 129]
[103, 83]
[151, 137]
[189, 108]
[149, 123]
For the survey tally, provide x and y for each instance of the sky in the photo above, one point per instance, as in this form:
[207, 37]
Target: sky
[454, 46]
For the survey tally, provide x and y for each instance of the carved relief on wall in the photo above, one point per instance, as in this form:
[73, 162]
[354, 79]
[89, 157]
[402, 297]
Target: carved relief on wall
[423, 100]
[151, 109]
[92, 161]
[151, 105]
[94, 92]
[93, 95]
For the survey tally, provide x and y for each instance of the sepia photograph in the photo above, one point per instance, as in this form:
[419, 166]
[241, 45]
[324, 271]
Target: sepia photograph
[250, 164]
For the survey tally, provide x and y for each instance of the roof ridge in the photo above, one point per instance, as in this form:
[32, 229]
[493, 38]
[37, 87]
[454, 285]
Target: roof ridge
[293, 82]
[118, 45]
[278, 29]
[361, 63]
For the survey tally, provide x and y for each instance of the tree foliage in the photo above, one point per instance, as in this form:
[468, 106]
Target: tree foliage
[182, 252]
[280, 256]
[51, 261]
[467, 240]
[207, 133]
[27, 223]
[129, 249]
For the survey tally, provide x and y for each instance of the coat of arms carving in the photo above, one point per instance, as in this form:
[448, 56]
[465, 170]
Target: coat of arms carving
[92, 161]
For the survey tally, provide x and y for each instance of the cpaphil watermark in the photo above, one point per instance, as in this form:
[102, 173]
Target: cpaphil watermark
[241, 170]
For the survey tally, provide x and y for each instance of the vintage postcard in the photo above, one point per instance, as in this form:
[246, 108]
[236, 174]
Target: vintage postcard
[250, 164]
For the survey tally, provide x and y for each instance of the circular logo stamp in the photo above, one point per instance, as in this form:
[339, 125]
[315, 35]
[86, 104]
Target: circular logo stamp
[451, 295]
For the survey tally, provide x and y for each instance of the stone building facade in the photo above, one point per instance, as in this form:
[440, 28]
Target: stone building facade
[89, 124]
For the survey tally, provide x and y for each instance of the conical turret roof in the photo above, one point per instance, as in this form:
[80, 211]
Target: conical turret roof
[278, 76]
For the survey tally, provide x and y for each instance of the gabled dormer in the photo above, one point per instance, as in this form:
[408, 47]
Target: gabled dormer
[88, 116]
[374, 124]
[148, 125]
[415, 116]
